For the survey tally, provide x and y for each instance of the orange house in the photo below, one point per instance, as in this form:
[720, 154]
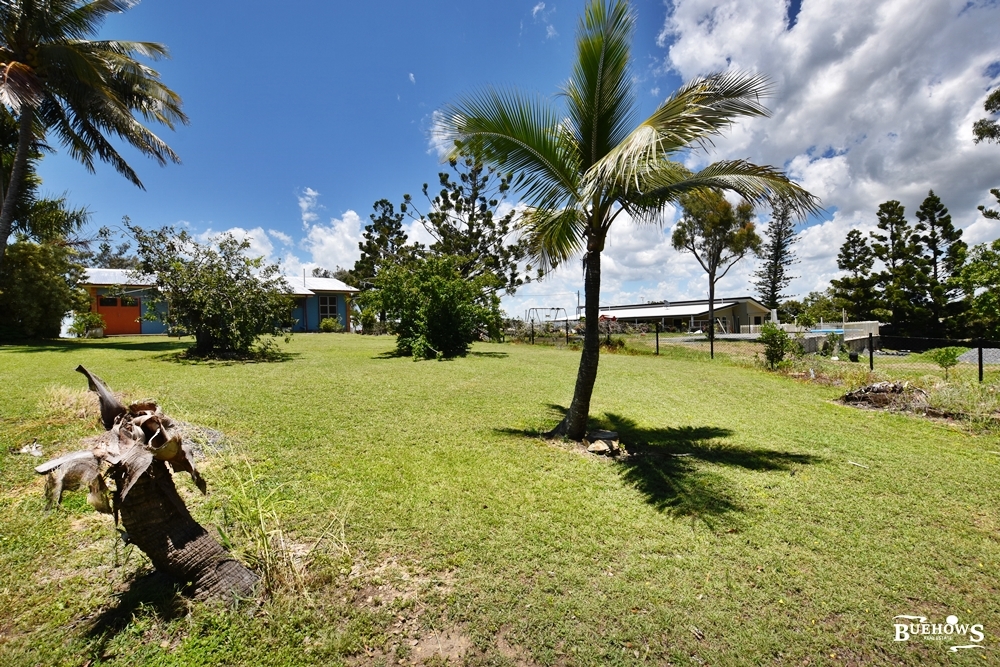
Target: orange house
[120, 299]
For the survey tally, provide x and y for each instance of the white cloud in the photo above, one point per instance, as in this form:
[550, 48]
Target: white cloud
[536, 9]
[336, 243]
[281, 236]
[872, 101]
[308, 204]
[413, 79]
[437, 139]
[550, 31]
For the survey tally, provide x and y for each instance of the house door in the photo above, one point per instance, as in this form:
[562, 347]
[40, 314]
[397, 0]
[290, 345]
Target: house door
[121, 316]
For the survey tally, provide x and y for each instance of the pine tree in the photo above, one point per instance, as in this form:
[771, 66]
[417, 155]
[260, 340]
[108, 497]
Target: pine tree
[856, 291]
[945, 255]
[904, 282]
[772, 276]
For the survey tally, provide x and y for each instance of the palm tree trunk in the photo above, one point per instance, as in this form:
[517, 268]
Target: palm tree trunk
[574, 426]
[711, 315]
[158, 522]
[24, 137]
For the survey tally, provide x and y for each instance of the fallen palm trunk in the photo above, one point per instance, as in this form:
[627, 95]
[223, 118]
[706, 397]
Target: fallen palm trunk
[140, 444]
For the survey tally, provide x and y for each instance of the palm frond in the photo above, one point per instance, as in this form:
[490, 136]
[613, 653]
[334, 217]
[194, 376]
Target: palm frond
[522, 133]
[600, 99]
[553, 236]
[755, 183]
[694, 114]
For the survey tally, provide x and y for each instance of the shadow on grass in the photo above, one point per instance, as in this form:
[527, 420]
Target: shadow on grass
[180, 357]
[151, 594]
[667, 464]
[73, 345]
[663, 464]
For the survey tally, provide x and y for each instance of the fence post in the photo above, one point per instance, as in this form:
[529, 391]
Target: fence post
[658, 343]
[532, 333]
[567, 330]
[871, 351]
[980, 360]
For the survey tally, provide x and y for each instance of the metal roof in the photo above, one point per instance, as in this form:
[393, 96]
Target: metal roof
[312, 284]
[306, 286]
[676, 309]
[641, 312]
[115, 277]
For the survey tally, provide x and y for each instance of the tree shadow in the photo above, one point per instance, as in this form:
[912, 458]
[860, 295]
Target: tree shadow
[180, 357]
[490, 355]
[74, 345]
[663, 464]
[667, 464]
[154, 593]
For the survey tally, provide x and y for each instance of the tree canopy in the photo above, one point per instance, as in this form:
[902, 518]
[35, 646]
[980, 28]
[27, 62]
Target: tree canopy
[581, 166]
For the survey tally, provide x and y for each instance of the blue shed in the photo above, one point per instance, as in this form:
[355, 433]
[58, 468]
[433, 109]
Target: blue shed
[317, 299]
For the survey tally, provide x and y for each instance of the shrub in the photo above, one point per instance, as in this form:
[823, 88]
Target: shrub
[331, 325]
[225, 299]
[946, 357]
[776, 343]
[85, 324]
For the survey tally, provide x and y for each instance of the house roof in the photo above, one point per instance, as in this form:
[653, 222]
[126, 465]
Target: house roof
[676, 309]
[306, 286]
[115, 277]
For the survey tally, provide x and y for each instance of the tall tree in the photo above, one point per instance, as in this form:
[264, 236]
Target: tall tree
[980, 278]
[384, 245]
[904, 281]
[944, 254]
[855, 291]
[466, 223]
[57, 79]
[991, 213]
[580, 167]
[719, 236]
[778, 255]
[987, 129]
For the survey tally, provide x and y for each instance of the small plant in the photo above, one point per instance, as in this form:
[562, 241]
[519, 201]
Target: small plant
[86, 324]
[613, 344]
[776, 343]
[331, 325]
[946, 357]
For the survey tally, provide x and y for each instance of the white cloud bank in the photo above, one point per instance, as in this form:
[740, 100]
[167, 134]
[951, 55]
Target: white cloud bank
[872, 101]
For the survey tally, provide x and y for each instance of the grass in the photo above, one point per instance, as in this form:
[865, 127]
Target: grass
[465, 533]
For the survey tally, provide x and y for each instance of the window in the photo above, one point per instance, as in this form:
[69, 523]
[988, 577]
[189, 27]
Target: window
[107, 301]
[327, 307]
[756, 320]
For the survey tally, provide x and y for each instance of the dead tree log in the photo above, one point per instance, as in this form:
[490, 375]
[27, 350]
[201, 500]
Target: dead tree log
[140, 443]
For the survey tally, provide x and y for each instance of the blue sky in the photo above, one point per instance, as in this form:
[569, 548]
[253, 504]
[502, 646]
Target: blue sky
[305, 113]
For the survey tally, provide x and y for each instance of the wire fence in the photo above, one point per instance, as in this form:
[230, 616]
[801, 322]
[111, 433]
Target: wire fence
[901, 358]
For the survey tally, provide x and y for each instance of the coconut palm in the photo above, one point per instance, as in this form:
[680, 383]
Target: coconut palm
[55, 79]
[582, 166]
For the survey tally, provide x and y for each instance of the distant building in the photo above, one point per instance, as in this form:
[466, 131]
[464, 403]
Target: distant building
[692, 315]
[319, 298]
[121, 301]
[119, 297]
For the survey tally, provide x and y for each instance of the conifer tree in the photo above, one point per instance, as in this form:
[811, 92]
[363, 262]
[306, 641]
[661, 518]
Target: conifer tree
[772, 276]
[856, 291]
[904, 282]
[945, 255]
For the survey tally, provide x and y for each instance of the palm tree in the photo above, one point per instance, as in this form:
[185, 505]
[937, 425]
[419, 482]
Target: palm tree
[581, 167]
[54, 78]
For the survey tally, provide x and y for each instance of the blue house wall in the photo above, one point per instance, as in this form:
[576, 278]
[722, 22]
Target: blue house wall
[310, 322]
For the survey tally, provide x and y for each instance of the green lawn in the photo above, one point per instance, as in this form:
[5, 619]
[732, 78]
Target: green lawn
[466, 534]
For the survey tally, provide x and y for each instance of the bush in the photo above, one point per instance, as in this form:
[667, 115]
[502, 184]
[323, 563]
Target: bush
[331, 325]
[85, 324]
[433, 311]
[37, 288]
[946, 357]
[776, 343]
[225, 299]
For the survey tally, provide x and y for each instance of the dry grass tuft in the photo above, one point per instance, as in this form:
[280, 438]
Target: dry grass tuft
[66, 404]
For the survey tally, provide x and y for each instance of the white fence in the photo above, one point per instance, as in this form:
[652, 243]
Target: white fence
[851, 330]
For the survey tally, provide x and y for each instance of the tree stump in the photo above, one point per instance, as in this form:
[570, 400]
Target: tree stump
[140, 443]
